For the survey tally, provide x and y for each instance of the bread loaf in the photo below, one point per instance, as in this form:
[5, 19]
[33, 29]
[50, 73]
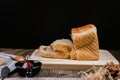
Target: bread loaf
[84, 45]
[85, 40]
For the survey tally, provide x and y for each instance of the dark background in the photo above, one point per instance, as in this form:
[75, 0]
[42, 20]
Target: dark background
[29, 24]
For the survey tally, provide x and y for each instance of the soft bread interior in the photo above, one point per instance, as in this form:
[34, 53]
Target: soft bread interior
[47, 52]
[62, 45]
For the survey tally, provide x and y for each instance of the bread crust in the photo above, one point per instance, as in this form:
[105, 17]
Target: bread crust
[89, 52]
[83, 28]
[73, 54]
[83, 36]
[85, 42]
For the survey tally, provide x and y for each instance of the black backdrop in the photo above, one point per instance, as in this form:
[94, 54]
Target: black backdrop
[29, 24]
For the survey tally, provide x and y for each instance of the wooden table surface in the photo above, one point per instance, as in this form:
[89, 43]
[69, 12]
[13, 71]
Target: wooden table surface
[49, 73]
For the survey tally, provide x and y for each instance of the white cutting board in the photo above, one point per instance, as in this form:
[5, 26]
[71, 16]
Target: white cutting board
[48, 63]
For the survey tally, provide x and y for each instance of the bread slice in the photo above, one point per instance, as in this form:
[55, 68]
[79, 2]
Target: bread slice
[47, 52]
[62, 45]
[73, 54]
[85, 42]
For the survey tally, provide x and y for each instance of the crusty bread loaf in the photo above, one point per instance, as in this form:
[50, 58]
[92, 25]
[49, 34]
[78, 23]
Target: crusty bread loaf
[85, 42]
[47, 52]
[62, 45]
[84, 45]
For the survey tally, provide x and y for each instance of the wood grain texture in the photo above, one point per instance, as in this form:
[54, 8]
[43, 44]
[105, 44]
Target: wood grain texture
[44, 78]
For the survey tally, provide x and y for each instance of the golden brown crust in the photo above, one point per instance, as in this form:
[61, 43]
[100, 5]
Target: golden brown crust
[82, 28]
[85, 42]
[90, 52]
[84, 35]
[84, 55]
[73, 54]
